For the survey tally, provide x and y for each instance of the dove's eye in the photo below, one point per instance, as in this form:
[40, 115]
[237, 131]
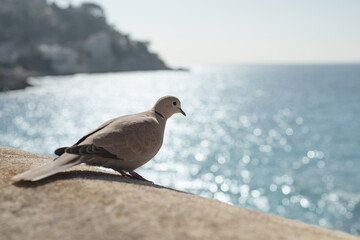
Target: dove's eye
[174, 103]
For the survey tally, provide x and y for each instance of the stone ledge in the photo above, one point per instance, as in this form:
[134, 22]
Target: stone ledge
[88, 203]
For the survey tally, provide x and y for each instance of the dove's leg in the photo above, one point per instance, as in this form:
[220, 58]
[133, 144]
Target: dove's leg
[124, 174]
[132, 174]
[139, 177]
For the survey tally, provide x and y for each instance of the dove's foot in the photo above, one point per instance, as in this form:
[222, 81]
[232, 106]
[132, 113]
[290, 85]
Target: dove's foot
[124, 174]
[139, 177]
[133, 175]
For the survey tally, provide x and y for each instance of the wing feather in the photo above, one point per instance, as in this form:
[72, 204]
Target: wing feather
[62, 150]
[130, 138]
[90, 149]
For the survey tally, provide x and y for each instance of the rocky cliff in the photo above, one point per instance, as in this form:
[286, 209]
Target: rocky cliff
[88, 203]
[43, 39]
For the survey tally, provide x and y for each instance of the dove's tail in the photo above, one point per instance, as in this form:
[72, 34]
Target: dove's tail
[61, 163]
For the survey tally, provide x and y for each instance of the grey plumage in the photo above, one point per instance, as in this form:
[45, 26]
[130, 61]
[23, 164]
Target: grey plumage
[49, 169]
[123, 144]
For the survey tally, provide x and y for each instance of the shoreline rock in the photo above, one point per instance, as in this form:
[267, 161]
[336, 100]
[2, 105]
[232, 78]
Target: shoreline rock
[14, 79]
[88, 203]
[45, 39]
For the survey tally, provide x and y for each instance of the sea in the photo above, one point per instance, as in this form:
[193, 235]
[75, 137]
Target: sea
[280, 139]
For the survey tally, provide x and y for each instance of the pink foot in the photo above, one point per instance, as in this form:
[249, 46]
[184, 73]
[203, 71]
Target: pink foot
[139, 177]
[124, 174]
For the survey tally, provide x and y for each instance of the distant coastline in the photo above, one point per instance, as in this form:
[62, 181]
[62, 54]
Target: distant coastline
[40, 39]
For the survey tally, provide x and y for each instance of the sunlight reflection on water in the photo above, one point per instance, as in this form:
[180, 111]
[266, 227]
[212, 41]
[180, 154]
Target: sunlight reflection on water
[280, 139]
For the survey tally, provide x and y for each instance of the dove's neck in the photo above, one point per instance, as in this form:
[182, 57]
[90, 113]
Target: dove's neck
[160, 114]
[161, 118]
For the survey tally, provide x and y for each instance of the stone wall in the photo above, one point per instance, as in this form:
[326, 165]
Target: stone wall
[88, 203]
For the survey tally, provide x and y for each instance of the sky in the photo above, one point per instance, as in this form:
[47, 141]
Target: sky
[241, 31]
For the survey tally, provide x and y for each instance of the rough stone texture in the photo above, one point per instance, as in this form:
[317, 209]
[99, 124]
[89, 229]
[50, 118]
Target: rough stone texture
[88, 203]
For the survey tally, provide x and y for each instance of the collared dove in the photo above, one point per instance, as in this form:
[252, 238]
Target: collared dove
[122, 144]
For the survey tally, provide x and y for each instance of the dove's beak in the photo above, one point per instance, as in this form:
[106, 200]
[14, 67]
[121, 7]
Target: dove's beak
[182, 112]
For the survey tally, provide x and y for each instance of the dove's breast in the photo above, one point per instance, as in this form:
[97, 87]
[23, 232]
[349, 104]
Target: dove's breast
[143, 139]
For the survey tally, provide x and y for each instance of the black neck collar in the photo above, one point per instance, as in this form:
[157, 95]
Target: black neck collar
[159, 114]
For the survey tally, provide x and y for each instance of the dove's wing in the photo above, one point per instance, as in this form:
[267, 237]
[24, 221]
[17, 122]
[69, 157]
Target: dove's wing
[130, 138]
[62, 150]
[96, 130]
[90, 150]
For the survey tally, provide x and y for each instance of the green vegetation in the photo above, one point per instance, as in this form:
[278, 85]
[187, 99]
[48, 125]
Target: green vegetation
[41, 38]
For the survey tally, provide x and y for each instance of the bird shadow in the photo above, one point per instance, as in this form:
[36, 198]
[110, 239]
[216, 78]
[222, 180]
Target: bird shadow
[89, 175]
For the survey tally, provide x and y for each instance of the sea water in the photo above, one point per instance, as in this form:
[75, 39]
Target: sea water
[282, 139]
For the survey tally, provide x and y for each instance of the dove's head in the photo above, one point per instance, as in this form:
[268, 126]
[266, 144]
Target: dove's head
[167, 106]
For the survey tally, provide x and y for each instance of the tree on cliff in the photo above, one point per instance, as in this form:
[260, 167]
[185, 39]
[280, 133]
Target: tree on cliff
[48, 39]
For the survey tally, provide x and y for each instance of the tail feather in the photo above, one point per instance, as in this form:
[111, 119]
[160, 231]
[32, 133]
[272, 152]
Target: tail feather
[61, 163]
